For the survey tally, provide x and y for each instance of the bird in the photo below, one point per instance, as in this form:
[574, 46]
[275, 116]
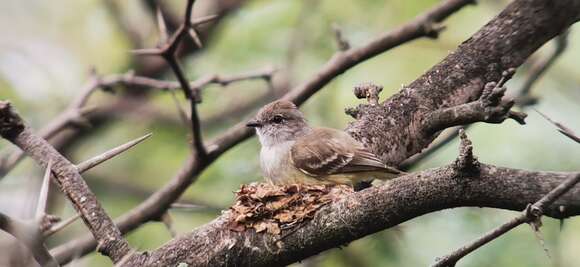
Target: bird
[293, 152]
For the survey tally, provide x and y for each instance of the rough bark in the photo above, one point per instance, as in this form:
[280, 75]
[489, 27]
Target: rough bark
[395, 129]
[69, 180]
[363, 213]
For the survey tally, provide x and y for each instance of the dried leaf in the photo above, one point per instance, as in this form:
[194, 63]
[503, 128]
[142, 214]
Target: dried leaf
[271, 208]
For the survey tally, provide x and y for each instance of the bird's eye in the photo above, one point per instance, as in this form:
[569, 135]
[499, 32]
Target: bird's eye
[277, 119]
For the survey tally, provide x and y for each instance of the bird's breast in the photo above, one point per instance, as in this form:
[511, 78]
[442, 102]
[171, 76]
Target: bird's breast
[275, 161]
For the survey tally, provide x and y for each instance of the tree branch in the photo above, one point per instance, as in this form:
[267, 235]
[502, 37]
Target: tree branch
[530, 214]
[394, 129]
[363, 213]
[490, 108]
[13, 128]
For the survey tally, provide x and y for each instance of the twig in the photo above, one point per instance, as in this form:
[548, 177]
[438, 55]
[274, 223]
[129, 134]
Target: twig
[75, 114]
[13, 128]
[530, 214]
[167, 50]
[94, 161]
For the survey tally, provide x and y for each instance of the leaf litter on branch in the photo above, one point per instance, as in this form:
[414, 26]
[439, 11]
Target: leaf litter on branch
[273, 208]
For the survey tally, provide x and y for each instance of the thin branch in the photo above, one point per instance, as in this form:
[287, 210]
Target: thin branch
[13, 128]
[530, 214]
[96, 160]
[75, 114]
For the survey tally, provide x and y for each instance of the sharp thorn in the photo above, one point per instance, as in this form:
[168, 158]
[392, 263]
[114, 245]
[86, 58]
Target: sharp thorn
[147, 52]
[163, 33]
[43, 196]
[168, 222]
[92, 162]
[195, 37]
[203, 20]
[61, 225]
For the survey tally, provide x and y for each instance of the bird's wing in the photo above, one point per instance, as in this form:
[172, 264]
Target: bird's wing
[329, 151]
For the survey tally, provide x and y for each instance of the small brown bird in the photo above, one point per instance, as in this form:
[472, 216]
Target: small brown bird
[294, 152]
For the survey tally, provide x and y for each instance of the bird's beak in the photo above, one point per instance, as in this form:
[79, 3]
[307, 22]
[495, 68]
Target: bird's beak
[253, 124]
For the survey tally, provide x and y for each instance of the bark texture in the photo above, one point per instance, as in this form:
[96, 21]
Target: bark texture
[394, 129]
[363, 213]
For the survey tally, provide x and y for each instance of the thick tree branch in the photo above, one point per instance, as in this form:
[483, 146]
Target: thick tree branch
[13, 128]
[363, 213]
[394, 130]
[529, 215]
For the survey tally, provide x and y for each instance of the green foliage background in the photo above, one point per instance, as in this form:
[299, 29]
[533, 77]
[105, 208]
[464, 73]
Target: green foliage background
[47, 47]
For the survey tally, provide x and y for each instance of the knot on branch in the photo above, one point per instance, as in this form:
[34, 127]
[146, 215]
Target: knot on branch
[534, 214]
[466, 162]
[494, 106]
[432, 29]
[47, 221]
[11, 124]
[368, 90]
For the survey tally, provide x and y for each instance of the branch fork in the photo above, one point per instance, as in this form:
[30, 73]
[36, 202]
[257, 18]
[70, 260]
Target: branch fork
[491, 107]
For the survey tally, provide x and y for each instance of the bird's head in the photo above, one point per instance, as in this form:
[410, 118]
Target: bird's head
[278, 122]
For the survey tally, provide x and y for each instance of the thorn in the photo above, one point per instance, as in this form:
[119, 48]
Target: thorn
[168, 222]
[94, 161]
[203, 20]
[147, 52]
[561, 128]
[182, 115]
[195, 37]
[163, 33]
[540, 238]
[186, 206]
[43, 196]
[61, 225]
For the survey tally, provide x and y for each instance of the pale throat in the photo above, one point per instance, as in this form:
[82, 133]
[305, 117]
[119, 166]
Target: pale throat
[275, 160]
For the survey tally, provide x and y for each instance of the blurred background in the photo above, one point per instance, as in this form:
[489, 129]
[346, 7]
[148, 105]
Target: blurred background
[48, 47]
